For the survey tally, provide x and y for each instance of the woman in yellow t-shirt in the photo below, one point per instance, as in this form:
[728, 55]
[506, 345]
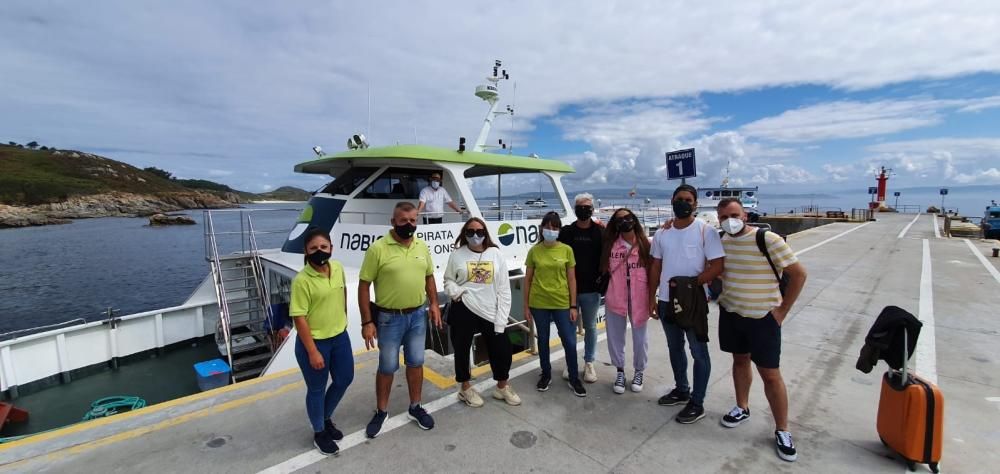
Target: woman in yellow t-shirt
[550, 297]
[322, 348]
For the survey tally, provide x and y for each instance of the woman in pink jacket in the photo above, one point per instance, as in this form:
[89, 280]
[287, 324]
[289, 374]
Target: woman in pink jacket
[626, 259]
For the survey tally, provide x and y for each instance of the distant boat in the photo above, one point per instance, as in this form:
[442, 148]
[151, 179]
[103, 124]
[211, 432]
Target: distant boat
[539, 202]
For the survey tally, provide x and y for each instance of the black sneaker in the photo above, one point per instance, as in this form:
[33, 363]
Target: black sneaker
[331, 429]
[375, 426]
[577, 387]
[325, 444]
[786, 449]
[691, 413]
[423, 419]
[675, 397]
[736, 417]
[543, 383]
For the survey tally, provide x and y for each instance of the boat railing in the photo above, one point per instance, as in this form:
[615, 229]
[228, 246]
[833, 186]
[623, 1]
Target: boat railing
[806, 211]
[226, 238]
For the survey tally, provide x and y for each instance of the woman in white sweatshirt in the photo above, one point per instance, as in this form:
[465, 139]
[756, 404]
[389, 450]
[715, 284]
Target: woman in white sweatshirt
[477, 283]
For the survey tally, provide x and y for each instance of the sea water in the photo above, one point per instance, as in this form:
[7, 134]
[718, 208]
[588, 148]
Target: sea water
[57, 273]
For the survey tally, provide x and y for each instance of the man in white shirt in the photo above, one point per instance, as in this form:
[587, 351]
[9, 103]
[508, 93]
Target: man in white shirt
[432, 201]
[682, 251]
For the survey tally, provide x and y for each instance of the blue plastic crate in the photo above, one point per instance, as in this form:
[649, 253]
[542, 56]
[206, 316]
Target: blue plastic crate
[212, 374]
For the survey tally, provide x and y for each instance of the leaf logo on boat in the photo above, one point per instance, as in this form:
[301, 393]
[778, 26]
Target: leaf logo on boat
[505, 234]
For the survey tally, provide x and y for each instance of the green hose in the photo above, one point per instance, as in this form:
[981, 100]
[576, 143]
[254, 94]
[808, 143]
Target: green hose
[108, 406]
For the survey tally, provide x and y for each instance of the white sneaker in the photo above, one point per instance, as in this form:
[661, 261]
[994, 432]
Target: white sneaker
[565, 373]
[589, 374]
[619, 386]
[508, 395]
[470, 397]
[637, 381]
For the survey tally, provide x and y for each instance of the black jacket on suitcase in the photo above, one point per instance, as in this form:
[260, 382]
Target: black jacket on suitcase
[885, 339]
[690, 306]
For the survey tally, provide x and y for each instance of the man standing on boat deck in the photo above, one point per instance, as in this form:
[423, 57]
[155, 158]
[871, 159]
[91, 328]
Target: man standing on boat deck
[584, 237]
[682, 250]
[752, 308]
[433, 198]
[400, 265]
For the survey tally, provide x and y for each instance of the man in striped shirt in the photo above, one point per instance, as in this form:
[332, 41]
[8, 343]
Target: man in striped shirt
[751, 311]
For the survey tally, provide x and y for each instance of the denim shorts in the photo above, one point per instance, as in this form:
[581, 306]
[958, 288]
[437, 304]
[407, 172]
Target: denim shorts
[408, 330]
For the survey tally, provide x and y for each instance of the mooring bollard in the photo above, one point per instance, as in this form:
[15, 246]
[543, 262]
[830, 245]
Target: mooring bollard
[996, 252]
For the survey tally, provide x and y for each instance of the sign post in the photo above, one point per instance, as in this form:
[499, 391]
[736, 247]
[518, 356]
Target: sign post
[897, 200]
[681, 165]
[944, 192]
[872, 190]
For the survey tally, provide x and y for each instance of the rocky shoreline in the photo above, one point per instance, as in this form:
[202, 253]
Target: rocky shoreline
[113, 204]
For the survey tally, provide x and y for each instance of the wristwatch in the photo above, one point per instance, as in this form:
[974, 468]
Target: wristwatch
[574, 307]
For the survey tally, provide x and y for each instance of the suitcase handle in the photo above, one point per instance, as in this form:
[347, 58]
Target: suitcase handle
[904, 374]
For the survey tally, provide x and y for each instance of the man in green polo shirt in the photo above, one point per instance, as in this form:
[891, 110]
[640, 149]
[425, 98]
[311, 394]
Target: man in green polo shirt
[400, 265]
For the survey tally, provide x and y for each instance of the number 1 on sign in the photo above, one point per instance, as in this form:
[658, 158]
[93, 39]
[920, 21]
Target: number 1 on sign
[680, 167]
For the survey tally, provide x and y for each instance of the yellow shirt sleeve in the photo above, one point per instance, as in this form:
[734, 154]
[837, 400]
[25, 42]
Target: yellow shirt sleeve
[570, 256]
[370, 264]
[781, 254]
[299, 305]
[529, 261]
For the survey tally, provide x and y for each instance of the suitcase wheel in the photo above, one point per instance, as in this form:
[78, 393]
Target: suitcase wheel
[911, 466]
[883, 441]
[934, 467]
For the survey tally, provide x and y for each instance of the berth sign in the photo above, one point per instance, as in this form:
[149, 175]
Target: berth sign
[681, 164]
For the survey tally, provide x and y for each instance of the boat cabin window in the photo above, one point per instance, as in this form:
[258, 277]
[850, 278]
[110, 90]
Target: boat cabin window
[715, 193]
[994, 214]
[727, 193]
[398, 183]
[349, 180]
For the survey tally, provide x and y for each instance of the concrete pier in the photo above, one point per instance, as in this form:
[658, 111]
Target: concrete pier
[854, 271]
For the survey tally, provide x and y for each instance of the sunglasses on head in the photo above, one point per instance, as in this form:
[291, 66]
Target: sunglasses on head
[472, 232]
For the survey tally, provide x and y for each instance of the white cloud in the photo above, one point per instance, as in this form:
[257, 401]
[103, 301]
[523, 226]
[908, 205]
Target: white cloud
[959, 160]
[256, 88]
[853, 119]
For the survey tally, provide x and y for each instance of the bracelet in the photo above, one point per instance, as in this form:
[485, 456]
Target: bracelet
[370, 321]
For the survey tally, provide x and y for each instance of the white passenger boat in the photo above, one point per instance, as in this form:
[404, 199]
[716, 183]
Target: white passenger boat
[243, 300]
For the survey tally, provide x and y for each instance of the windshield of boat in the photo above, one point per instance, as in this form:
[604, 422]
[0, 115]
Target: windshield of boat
[349, 180]
[513, 195]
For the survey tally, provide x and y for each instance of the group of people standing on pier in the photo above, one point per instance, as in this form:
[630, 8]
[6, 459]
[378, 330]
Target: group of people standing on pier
[670, 277]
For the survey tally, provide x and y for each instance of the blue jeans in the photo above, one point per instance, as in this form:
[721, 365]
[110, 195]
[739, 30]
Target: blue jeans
[589, 302]
[395, 329]
[338, 360]
[567, 333]
[678, 359]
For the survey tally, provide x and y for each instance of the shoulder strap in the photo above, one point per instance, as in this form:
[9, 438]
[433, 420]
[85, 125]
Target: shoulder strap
[762, 246]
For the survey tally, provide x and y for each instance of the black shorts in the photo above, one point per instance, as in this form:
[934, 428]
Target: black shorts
[761, 338]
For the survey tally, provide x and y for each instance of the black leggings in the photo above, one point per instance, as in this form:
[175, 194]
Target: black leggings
[464, 325]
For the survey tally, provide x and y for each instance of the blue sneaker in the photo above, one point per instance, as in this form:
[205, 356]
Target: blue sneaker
[423, 419]
[331, 429]
[375, 426]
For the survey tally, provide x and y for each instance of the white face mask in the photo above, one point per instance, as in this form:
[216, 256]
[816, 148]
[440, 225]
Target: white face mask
[550, 235]
[732, 226]
[476, 241]
[435, 184]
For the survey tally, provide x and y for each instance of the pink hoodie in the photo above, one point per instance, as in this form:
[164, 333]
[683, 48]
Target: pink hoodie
[616, 299]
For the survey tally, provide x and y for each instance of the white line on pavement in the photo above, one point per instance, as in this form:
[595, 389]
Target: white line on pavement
[311, 457]
[907, 228]
[937, 232]
[926, 353]
[982, 259]
[848, 231]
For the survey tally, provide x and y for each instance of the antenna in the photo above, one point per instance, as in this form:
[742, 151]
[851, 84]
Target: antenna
[490, 92]
[368, 131]
[510, 110]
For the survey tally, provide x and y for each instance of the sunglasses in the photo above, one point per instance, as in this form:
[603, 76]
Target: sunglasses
[472, 232]
[585, 208]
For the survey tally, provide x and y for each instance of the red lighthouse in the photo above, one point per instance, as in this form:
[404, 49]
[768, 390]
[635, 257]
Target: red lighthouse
[882, 178]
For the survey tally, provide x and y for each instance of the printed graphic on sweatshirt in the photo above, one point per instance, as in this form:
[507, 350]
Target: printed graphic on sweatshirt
[480, 272]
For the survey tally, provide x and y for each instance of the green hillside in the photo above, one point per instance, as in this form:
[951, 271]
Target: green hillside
[45, 176]
[29, 177]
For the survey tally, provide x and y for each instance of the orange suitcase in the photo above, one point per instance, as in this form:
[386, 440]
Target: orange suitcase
[911, 418]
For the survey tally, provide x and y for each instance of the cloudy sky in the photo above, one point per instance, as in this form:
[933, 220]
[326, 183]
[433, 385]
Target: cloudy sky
[791, 95]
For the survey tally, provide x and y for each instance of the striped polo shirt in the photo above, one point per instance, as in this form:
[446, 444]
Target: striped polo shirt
[749, 287]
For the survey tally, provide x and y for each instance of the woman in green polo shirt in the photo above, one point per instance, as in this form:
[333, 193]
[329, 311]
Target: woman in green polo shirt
[323, 348]
[550, 297]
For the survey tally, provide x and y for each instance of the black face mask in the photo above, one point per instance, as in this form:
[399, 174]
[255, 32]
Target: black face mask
[405, 231]
[584, 212]
[626, 226]
[682, 209]
[319, 257]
